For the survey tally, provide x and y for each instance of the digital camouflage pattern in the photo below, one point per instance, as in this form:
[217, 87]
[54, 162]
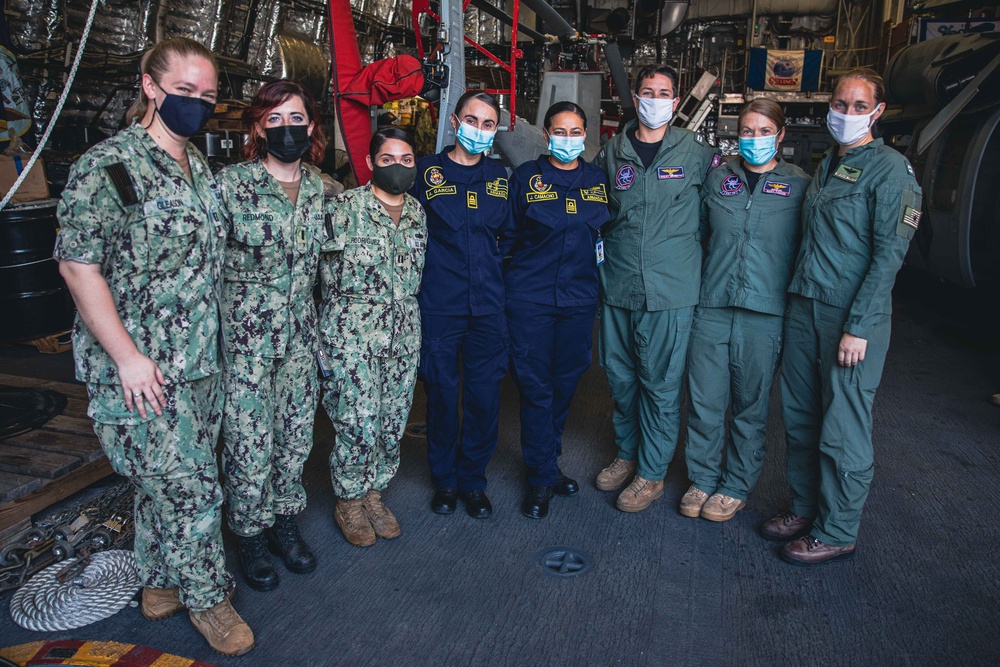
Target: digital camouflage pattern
[161, 256]
[170, 459]
[368, 400]
[370, 328]
[269, 320]
[272, 251]
[267, 436]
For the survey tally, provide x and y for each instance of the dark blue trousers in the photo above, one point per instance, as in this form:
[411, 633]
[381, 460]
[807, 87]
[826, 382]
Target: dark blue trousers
[550, 352]
[469, 355]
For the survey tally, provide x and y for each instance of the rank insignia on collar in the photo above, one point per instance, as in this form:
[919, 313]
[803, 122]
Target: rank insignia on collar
[733, 185]
[775, 188]
[846, 172]
[434, 177]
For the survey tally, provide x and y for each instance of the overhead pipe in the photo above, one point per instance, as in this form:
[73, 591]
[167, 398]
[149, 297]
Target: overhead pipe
[705, 9]
[505, 18]
[553, 19]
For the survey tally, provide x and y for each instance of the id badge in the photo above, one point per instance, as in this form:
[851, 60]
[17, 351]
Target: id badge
[599, 250]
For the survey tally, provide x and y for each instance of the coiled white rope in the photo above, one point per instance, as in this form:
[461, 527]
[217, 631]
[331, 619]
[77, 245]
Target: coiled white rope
[106, 585]
[59, 106]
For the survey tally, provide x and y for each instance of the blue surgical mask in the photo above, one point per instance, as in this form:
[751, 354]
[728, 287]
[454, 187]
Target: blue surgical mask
[473, 139]
[759, 150]
[184, 116]
[566, 149]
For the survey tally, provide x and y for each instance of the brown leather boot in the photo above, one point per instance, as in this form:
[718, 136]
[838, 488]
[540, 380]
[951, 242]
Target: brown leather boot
[350, 515]
[382, 520]
[160, 603]
[786, 526]
[810, 551]
[639, 494]
[223, 629]
[615, 475]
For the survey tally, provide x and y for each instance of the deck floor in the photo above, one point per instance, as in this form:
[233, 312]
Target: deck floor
[663, 589]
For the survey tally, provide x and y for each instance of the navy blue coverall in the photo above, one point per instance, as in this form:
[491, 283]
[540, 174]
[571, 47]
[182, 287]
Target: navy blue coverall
[463, 328]
[551, 298]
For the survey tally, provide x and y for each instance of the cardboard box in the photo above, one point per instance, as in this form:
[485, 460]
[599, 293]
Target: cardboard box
[34, 188]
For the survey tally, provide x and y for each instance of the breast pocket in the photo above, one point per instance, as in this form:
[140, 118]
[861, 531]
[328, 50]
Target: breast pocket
[253, 250]
[360, 272]
[171, 241]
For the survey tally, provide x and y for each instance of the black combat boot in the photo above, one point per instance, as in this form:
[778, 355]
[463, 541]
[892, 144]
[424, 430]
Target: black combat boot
[284, 540]
[258, 570]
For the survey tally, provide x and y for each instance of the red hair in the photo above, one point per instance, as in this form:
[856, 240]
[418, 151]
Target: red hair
[270, 96]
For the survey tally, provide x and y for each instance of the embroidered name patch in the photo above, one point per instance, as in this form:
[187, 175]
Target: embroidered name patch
[165, 204]
[731, 186]
[596, 193]
[497, 188]
[664, 173]
[625, 177]
[775, 188]
[442, 190]
[846, 172]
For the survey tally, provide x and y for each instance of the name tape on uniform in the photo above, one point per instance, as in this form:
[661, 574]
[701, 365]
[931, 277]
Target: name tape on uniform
[598, 193]
[775, 188]
[442, 190]
[846, 172]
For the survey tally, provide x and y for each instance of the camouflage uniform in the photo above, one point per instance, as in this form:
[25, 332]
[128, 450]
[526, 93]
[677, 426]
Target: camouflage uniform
[370, 328]
[158, 239]
[269, 321]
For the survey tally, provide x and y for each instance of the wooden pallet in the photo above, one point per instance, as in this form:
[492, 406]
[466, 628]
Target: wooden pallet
[43, 466]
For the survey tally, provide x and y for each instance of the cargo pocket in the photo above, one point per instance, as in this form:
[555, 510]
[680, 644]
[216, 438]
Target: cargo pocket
[252, 253]
[124, 435]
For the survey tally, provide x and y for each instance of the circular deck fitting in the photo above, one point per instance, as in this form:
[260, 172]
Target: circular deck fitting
[563, 561]
[416, 430]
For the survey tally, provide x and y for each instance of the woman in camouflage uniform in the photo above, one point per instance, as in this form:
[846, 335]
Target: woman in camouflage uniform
[370, 328]
[274, 215]
[140, 247]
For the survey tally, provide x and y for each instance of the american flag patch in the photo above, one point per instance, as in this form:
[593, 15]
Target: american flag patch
[911, 217]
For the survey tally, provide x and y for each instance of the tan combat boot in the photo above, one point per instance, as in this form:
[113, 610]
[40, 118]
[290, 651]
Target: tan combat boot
[223, 629]
[350, 515]
[721, 507]
[160, 603]
[692, 502]
[381, 518]
[615, 475]
[639, 494]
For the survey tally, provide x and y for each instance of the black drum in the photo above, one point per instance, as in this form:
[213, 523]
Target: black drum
[34, 301]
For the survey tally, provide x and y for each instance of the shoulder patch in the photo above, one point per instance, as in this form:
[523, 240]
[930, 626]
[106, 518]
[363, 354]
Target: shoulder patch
[911, 217]
[717, 160]
[122, 181]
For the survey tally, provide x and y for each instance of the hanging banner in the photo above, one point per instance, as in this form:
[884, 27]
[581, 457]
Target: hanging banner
[772, 69]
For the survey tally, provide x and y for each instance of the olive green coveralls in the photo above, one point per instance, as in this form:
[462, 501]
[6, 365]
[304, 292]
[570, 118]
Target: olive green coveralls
[753, 240]
[857, 225]
[649, 287]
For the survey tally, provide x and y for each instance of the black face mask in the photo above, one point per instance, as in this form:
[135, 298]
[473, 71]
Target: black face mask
[184, 116]
[288, 143]
[394, 178]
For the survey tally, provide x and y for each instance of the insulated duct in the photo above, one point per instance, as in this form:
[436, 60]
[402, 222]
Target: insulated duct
[672, 15]
[709, 9]
[553, 20]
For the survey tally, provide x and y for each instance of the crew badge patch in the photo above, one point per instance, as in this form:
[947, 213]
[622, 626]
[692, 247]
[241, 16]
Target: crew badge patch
[775, 188]
[597, 193]
[731, 186]
[433, 177]
[625, 177]
[846, 172]
[664, 173]
[497, 188]
[540, 190]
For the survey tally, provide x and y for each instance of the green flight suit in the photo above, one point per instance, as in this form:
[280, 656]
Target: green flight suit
[753, 240]
[370, 329]
[857, 225]
[158, 239]
[649, 288]
[269, 322]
